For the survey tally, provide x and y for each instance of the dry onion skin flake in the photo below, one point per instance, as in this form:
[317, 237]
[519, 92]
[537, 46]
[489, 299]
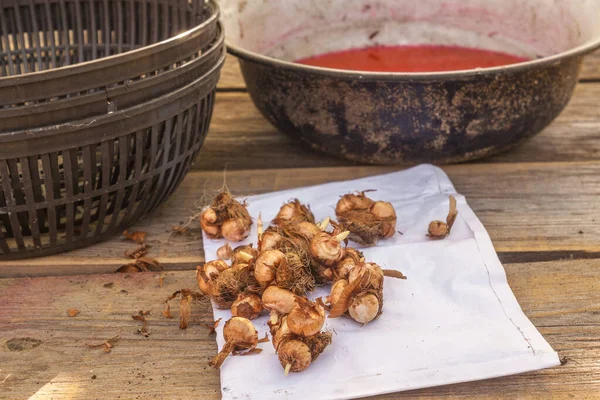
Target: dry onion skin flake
[226, 218]
[367, 220]
[440, 230]
[239, 334]
[247, 305]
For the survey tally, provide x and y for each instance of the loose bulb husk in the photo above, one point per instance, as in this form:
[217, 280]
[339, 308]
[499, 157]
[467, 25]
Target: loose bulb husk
[247, 305]
[365, 308]
[239, 334]
[277, 299]
[280, 332]
[294, 356]
[336, 291]
[370, 274]
[266, 266]
[306, 319]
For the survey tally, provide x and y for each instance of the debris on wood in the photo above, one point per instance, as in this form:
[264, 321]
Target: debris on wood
[185, 298]
[137, 236]
[213, 327]
[72, 312]
[146, 262]
[167, 311]
[107, 345]
[128, 268]
[161, 279]
[185, 310]
[141, 316]
[137, 252]
[179, 229]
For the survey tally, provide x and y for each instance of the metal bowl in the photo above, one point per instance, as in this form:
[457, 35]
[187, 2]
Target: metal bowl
[389, 118]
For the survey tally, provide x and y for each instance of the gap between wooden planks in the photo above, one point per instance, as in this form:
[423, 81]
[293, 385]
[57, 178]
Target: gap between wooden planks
[231, 77]
[526, 207]
[562, 299]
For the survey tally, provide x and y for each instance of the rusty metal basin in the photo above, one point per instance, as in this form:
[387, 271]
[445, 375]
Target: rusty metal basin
[397, 118]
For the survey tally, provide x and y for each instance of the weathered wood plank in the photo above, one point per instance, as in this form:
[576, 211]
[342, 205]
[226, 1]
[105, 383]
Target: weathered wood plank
[535, 207]
[591, 67]
[561, 298]
[240, 138]
[231, 77]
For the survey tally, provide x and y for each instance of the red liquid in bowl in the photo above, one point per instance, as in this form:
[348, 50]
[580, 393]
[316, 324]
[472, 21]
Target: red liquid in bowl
[412, 59]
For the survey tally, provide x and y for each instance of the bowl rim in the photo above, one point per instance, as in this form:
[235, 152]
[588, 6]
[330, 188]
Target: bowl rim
[548, 61]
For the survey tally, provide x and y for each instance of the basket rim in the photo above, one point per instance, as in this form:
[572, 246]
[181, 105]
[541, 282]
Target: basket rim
[146, 84]
[107, 62]
[88, 126]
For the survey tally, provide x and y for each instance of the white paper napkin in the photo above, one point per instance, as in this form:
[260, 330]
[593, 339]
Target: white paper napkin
[455, 319]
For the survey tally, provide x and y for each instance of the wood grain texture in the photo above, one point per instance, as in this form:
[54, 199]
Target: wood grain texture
[231, 77]
[526, 207]
[591, 67]
[561, 298]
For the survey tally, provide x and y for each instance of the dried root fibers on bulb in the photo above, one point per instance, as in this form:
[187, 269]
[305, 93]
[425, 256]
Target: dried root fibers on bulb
[296, 353]
[226, 218]
[368, 221]
[293, 212]
[295, 275]
[231, 283]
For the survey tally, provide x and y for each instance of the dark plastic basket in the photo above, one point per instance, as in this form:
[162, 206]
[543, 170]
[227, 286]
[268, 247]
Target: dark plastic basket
[89, 81]
[68, 185]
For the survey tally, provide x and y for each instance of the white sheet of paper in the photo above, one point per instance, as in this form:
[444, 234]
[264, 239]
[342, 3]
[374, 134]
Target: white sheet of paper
[455, 319]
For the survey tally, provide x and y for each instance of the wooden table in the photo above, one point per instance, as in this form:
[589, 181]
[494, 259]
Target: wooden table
[540, 204]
